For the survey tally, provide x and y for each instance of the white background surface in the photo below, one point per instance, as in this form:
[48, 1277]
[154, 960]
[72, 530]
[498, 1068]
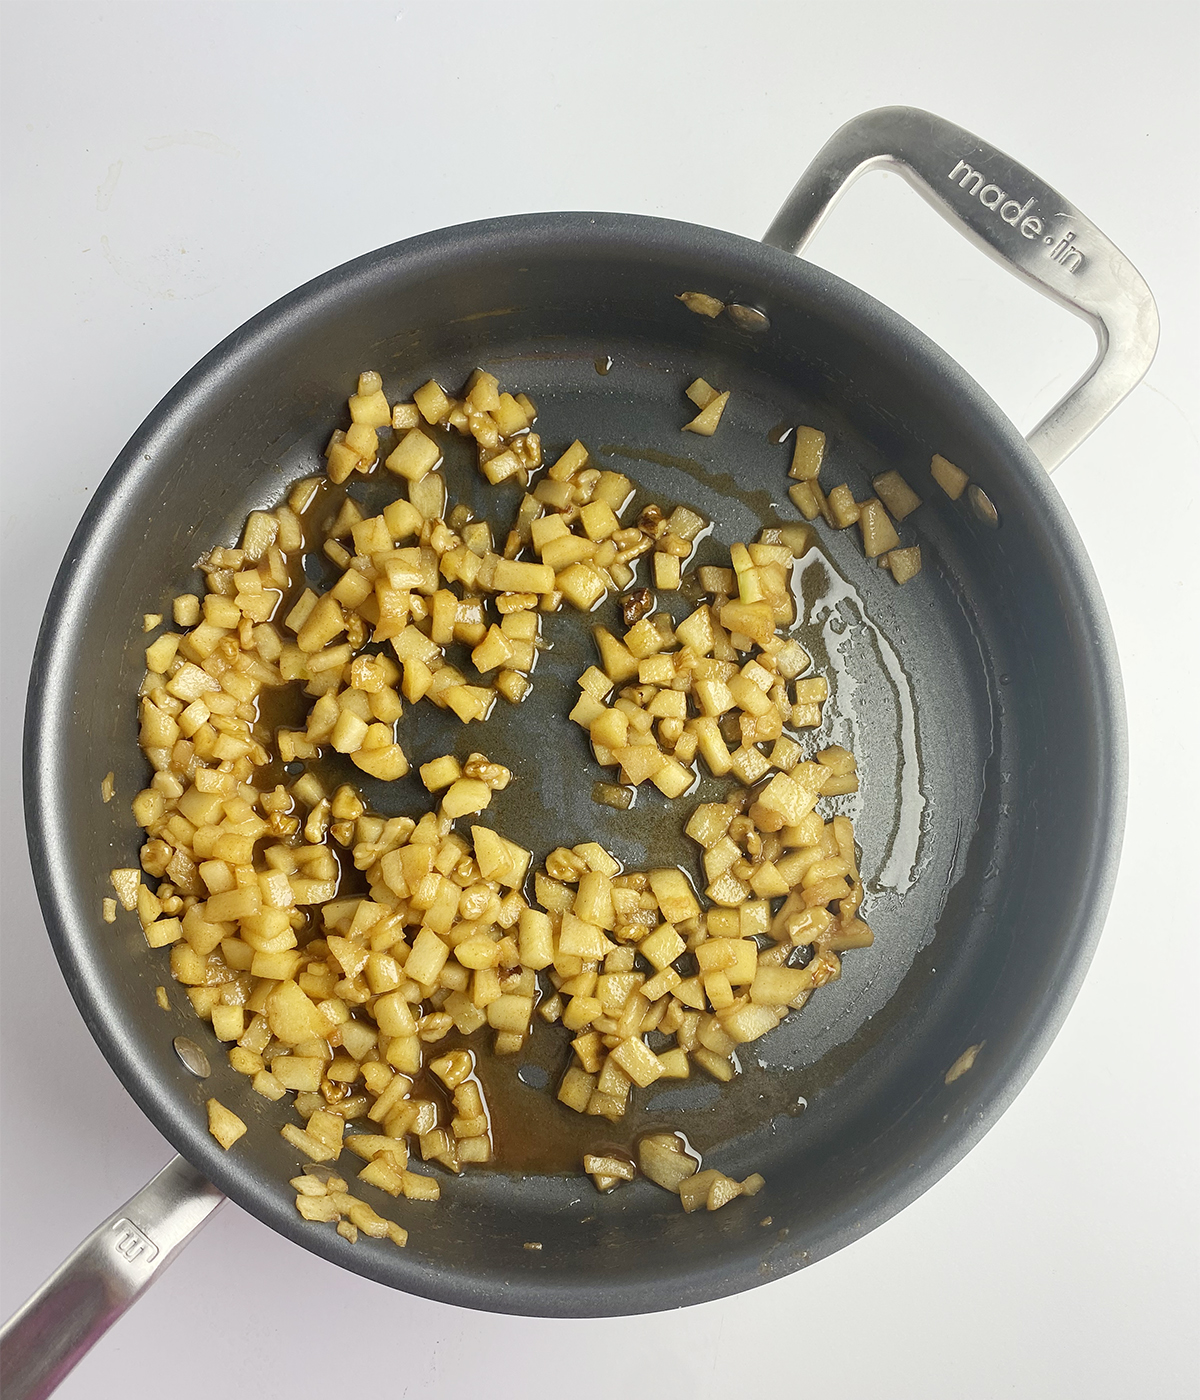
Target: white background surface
[172, 168]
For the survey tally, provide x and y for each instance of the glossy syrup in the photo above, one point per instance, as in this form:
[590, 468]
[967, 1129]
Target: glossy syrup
[862, 666]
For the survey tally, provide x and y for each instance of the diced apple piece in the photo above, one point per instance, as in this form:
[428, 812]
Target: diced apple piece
[500, 859]
[695, 631]
[598, 520]
[638, 1061]
[878, 532]
[807, 453]
[291, 1015]
[510, 416]
[126, 883]
[667, 571]
[466, 795]
[662, 1160]
[747, 1023]
[706, 421]
[371, 409]
[387, 763]
[777, 986]
[896, 494]
[639, 762]
[753, 620]
[224, 1124]
[701, 303]
[672, 779]
[582, 586]
[440, 772]
[804, 498]
[701, 392]
[617, 660]
[844, 508]
[905, 563]
[513, 577]
[414, 456]
[494, 651]
[432, 401]
[674, 895]
[953, 480]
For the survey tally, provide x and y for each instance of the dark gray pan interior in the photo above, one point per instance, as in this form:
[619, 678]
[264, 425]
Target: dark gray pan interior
[983, 700]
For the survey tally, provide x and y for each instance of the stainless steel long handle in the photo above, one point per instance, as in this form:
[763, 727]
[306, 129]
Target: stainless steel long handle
[1018, 220]
[82, 1299]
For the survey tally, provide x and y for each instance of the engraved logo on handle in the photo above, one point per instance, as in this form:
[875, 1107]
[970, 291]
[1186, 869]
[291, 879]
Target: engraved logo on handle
[1062, 250]
[132, 1244]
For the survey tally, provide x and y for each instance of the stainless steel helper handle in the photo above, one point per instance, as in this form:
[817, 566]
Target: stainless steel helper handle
[80, 1301]
[1018, 220]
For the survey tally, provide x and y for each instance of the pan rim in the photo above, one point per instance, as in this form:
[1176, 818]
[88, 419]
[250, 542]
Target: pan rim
[48, 708]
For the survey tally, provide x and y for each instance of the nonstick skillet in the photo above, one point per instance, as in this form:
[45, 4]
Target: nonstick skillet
[983, 700]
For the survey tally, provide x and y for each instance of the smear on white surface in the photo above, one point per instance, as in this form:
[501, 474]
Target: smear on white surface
[205, 139]
[141, 274]
[104, 191]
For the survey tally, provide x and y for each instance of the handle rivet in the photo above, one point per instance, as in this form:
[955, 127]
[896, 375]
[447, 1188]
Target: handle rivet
[747, 318]
[982, 506]
[192, 1056]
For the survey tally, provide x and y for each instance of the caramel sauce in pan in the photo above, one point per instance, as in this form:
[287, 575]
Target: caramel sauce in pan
[531, 1132]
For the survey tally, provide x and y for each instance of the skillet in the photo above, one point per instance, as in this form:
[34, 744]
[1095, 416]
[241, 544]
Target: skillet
[983, 700]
